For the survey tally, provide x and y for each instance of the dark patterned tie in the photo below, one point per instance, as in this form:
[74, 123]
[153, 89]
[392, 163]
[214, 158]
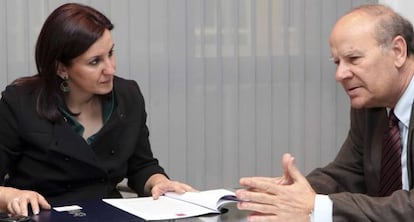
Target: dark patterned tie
[390, 178]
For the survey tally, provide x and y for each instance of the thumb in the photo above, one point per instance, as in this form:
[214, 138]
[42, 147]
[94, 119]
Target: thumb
[287, 158]
[292, 170]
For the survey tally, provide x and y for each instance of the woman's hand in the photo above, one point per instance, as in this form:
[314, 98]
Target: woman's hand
[159, 184]
[16, 201]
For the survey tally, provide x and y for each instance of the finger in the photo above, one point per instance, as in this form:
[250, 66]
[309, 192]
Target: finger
[164, 187]
[254, 213]
[249, 189]
[43, 203]
[189, 188]
[269, 179]
[23, 207]
[35, 205]
[246, 181]
[257, 197]
[14, 207]
[256, 207]
[156, 193]
[266, 186]
[179, 187]
[159, 190]
[174, 186]
[170, 186]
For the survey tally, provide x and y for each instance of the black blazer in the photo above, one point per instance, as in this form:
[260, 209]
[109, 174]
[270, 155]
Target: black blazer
[55, 161]
[352, 179]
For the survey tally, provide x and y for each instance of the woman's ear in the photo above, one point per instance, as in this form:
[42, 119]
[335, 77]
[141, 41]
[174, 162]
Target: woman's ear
[399, 47]
[62, 71]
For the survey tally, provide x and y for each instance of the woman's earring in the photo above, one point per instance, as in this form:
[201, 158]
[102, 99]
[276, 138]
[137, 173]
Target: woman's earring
[64, 86]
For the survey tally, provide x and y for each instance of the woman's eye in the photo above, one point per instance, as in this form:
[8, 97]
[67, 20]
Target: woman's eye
[94, 62]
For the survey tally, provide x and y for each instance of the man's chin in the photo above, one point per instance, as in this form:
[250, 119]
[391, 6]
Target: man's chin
[358, 103]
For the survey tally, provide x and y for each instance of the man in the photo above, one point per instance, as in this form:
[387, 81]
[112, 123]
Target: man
[372, 47]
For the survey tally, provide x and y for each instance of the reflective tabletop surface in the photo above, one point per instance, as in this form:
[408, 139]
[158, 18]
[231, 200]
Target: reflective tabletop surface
[98, 211]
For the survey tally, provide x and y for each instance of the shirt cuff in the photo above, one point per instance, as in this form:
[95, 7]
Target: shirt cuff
[322, 210]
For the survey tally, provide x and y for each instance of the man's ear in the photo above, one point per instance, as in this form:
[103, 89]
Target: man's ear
[399, 47]
[62, 71]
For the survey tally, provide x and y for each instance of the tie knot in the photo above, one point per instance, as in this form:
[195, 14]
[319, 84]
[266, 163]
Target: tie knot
[392, 119]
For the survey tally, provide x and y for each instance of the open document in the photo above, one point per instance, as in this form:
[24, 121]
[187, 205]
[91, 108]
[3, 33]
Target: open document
[174, 206]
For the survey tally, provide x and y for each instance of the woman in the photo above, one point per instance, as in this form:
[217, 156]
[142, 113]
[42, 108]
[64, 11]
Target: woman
[75, 130]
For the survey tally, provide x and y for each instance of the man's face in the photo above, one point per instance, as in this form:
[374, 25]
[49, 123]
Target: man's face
[365, 69]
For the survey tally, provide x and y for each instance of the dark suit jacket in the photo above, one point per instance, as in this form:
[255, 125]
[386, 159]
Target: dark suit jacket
[55, 161]
[352, 179]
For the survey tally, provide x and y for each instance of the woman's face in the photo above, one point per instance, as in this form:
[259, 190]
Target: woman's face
[92, 72]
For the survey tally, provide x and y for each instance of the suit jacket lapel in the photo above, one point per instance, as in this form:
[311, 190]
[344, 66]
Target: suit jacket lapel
[410, 153]
[377, 124]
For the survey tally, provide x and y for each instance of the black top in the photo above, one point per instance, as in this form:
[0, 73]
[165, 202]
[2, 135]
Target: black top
[54, 160]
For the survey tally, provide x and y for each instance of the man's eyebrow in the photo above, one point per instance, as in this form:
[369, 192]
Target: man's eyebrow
[351, 52]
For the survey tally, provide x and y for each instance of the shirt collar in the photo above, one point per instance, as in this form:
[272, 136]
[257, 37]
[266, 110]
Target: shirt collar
[108, 106]
[403, 108]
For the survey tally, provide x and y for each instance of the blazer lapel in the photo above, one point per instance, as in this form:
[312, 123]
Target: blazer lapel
[68, 143]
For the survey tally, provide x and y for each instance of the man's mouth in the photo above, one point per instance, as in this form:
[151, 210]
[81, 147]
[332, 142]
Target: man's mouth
[352, 91]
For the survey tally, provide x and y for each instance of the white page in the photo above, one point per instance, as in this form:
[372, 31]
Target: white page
[162, 209]
[209, 198]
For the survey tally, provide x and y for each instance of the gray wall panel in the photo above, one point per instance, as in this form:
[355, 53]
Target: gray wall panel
[230, 85]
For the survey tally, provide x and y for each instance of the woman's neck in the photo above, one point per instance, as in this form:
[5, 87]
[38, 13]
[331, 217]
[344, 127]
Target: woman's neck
[79, 104]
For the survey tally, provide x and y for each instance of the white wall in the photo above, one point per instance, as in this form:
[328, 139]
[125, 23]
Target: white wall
[404, 7]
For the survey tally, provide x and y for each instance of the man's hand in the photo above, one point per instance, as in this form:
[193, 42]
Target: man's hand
[286, 198]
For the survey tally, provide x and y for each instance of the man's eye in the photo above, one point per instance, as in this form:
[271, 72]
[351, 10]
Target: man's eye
[354, 59]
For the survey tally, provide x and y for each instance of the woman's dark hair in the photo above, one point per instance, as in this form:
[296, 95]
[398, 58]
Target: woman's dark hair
[66, 34]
